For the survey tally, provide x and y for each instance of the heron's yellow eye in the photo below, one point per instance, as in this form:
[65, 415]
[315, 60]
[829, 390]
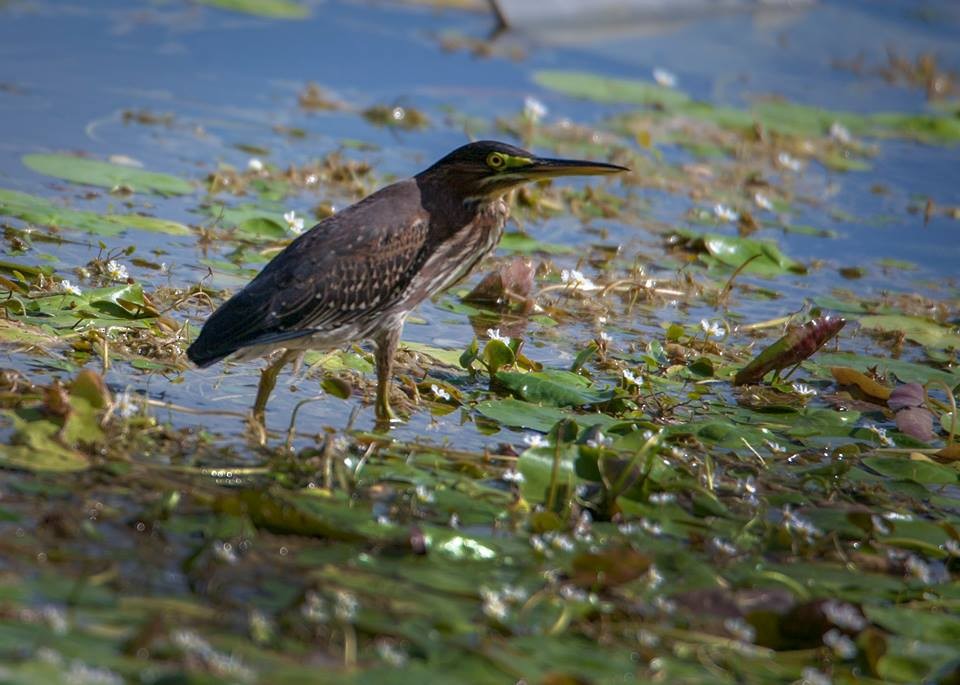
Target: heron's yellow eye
[496, 161]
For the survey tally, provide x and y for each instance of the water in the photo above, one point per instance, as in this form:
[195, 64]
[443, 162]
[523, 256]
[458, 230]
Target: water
[69, 70]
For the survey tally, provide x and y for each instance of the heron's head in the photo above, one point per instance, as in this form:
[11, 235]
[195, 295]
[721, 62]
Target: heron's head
[488, 168]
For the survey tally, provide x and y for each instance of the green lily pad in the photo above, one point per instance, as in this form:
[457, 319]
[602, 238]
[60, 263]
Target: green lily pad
[106, 175]
[923, 331]
[904, 468]
[761, 257]
[587, 86]
[274, 9]
[908, 372]
[555, 387]
[524, 244]
[43, 212]
[519, 414]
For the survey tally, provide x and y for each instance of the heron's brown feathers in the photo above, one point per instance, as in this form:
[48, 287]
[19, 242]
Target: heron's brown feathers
[347, 267]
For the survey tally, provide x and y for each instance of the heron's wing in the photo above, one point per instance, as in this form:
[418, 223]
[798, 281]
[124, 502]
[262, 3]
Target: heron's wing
[344, 270]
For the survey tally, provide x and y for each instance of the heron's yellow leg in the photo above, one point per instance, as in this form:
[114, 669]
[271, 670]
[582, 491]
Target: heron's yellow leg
[386, 351]
[268, 381]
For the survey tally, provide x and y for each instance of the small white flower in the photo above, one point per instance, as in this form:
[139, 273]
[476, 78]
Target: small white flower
[311, 180]
[841, 645]
[225, 552]
[600, 441]
[724, 213]
[840, 133]
[494, 604]
[605, 337]
[661, 498]
[794, 523]
[881, 433]
[439, 392]
[533, 109]
[69, 288]
[294, 222]
[126, 406]
[629, 377]
[740, 629]
[391, 653]
[803, 389]
[345, 606]
[665, 78]
[763, 202]
[789, 162]
[255, 165]
[535, 440]
[494, 334]
[576, 280]
[117, 271]
[711, 328]
[812, 676]
[423, 493]
[512, 476]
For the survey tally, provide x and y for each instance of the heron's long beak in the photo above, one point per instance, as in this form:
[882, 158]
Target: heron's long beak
[541, 167]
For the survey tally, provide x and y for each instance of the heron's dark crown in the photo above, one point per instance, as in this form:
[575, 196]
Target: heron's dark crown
[477, 153]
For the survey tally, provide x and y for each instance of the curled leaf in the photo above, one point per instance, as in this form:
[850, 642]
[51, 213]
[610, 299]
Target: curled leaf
[507, 285]
[844, 375]
[798, 344]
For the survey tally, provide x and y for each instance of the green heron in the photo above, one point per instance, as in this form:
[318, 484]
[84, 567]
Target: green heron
[358, 274]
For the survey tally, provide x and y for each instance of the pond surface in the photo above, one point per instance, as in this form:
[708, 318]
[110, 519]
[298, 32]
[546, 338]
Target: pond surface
[831, 132]
[220, 80]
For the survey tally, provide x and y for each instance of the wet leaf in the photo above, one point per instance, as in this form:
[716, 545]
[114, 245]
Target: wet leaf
[846, 376]
[106, 175]
[609, 568]
[907, 469]
[555, 387]
[904, 370]
[274, 9]
[519, 414]
[581, 84]
[922, 331]
[43, 212]
[511, 283]
[798, 344]
[524, 244]
[759, 257]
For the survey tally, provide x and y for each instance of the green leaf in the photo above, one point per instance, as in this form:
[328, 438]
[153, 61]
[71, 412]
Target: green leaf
[764, 257]
[446, 357]
[495, 355]
[908, 372]
[274, 9]
[536, 465]
[587, 86]
[555, 387]
[262, 228]
[524, 244]
[106, 175]
[904, 468]
[520, 414]
[40, 211]
[923, 331]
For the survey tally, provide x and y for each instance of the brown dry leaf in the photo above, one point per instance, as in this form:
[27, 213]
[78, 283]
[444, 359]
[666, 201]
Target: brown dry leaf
[844, 375]
[950, 452]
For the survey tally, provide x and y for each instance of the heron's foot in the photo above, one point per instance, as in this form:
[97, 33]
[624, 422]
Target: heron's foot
[386, 416]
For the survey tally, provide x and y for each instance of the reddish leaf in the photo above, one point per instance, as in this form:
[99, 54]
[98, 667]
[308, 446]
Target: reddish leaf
[508, 284]
[917, 422]
[799, 343]
[906, 395]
